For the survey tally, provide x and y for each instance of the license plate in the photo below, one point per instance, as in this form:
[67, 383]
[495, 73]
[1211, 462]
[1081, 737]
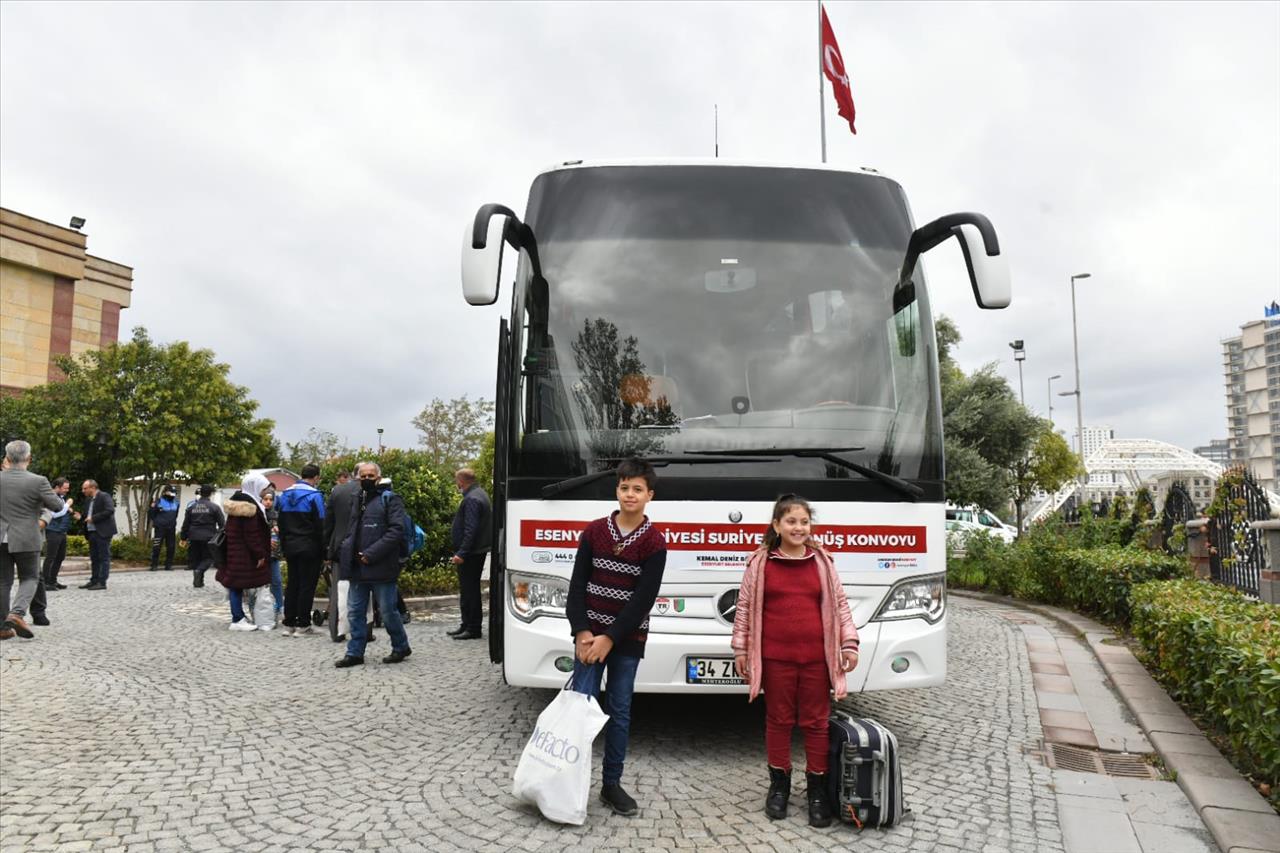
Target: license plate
[710, 671]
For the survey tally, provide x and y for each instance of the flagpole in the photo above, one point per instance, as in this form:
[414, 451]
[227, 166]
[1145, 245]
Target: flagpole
[822, 95]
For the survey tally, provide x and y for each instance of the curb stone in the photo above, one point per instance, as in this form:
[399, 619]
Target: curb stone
[1238, 817]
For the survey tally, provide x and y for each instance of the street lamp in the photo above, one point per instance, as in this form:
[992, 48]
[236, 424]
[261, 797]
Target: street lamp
[1019, 355]
[379, 439]
[1051, 378]
[1075, 339]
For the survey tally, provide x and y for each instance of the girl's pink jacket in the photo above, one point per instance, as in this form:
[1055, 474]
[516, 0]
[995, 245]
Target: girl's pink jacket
[838, 631]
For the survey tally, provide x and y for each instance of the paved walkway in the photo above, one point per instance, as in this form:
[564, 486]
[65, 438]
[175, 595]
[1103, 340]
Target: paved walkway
[138, 722]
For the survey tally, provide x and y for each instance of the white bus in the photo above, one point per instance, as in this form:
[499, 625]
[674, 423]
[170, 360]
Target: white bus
[751, 330]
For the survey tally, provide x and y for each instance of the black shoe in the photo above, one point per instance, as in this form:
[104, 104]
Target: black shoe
[40, 619]
[816, 795]
[198, 582]
[58, 586]
[168, 568]
[468, 635]
[89, 584]
[349, 660]
[397, 657]
[461, 629]
[94, 586]
[775, 804]
[619, 800]
[153, 569]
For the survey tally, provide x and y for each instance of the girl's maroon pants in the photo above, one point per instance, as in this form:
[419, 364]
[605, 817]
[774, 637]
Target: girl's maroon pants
[796, 694]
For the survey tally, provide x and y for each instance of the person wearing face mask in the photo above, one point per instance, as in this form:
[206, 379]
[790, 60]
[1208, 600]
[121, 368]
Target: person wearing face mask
[301, 526]
[370, 563]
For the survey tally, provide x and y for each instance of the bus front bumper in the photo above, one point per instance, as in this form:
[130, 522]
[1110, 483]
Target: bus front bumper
[533, 650]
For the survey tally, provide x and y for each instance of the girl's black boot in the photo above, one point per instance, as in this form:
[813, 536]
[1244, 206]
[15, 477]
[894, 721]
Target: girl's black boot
[816, 795]
[775, 805]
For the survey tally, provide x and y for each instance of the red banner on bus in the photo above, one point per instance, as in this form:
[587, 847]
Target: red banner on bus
[686, 536]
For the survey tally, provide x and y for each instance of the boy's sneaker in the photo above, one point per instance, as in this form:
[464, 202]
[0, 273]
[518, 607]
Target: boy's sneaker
[619, 800]
[286, 631]
[298, 632]
[243, 625]
[270, 626]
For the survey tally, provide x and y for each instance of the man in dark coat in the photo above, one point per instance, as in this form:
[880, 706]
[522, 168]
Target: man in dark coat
[337, 513]
[100, 522]
[370, 561]
[301, 525]
[201, 523]
[163, 515]
[472, 531]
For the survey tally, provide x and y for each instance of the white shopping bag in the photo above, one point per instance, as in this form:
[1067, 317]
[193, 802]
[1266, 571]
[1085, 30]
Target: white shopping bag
[554, 772]
[264, 608]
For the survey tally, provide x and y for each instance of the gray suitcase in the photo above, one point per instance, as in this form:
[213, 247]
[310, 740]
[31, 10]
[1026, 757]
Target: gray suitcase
[864, 777]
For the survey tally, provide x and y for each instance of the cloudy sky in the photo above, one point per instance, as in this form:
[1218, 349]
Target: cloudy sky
[290, 181]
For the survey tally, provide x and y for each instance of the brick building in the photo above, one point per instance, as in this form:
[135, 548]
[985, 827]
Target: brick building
[55, 299]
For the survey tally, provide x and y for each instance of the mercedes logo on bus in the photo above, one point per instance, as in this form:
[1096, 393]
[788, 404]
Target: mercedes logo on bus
[727, 605]
[735, 517]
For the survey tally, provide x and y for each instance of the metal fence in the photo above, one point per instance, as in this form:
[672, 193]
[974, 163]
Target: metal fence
[1236, 557]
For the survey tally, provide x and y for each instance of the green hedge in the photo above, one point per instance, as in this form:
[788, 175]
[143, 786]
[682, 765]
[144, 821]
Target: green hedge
[1219, 653]
[125, 548]
[433, 580]
[1045, 565]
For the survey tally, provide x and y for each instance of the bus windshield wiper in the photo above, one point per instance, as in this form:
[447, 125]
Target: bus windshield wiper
[656, 461]
[828, 454]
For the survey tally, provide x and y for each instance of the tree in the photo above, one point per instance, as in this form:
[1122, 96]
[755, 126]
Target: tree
[483, 465]
[143, 412]
[987, 432]
[452, 432]
[317, 446]
[1050, 465]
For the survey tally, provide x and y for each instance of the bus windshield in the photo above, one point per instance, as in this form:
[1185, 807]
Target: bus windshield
[686, 309]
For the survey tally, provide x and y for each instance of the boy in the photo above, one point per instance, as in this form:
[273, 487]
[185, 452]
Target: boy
[616, 577]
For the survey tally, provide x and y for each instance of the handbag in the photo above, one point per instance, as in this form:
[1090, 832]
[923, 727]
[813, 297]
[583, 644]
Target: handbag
[554, 772]
[218, 547]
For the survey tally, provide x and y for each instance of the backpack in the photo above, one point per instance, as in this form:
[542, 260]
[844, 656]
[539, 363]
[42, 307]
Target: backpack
[414, 536]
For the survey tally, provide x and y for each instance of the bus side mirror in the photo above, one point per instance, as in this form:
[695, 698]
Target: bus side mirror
[482, 254]
[988, 271]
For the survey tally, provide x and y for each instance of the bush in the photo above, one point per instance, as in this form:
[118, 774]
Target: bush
[440, 579]
[429, 496]
[1099, 580]
[1047, 564]
[77, 546]
[1218, 652]
[124, 548]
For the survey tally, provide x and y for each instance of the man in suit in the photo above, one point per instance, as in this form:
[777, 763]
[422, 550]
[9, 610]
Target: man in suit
[337, 513]
[100, 521]
[22, 497]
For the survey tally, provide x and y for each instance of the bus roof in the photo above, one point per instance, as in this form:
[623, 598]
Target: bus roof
[709, 161]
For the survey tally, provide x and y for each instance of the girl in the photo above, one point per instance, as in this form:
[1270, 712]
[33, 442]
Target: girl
[277, 580]
[793, 635]
[248, 548]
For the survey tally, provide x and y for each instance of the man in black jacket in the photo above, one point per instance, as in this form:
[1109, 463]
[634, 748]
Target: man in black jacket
[100, 522]
[472, 530]
[301, 524]
[370, 562]
[337, 512]
[203, 520]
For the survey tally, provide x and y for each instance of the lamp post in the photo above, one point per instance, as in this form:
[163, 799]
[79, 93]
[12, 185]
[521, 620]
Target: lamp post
[379, 440]
[1019, 355]
[1075, 340]
[1051, 378]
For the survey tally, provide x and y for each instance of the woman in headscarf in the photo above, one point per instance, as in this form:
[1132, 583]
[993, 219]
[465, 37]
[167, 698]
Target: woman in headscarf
[248, 547]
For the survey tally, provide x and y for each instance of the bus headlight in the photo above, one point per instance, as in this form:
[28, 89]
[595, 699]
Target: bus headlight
[923, 598]
[537, 595]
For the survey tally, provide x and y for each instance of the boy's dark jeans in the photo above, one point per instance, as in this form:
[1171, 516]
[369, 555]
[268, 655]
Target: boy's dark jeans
[622, 683]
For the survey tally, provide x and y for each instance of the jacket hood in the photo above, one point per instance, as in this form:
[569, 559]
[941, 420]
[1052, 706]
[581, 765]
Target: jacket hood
[241, 505]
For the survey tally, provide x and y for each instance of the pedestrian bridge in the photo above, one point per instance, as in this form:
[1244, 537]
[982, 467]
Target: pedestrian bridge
[1134, 462]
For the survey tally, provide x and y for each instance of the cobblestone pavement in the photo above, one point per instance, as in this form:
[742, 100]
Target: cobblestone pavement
[138, 722]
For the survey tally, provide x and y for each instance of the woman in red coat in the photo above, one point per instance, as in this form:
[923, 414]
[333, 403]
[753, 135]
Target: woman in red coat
[248, 547]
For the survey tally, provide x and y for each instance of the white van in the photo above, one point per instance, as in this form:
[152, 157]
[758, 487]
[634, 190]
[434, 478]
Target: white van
[976, 518]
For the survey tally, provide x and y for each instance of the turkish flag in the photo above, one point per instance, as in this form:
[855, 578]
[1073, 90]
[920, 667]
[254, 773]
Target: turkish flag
[833, 67]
